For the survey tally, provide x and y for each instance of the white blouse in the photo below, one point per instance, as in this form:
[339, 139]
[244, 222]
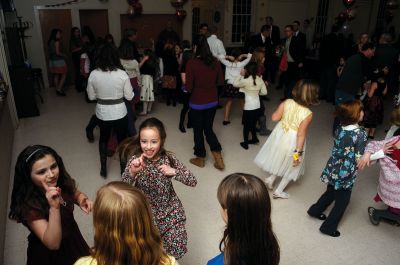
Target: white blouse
[251, 91]
[109, 85]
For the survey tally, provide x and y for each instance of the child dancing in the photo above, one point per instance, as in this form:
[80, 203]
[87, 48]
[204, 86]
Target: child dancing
[340, 171]
[252, 86]
[151, 169]
[283, 153]
[43, 199]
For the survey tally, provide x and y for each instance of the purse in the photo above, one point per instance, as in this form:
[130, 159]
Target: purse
[168, 81]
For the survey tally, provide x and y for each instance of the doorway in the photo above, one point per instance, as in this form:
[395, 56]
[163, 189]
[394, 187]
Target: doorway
[96, 20]
[57, 18]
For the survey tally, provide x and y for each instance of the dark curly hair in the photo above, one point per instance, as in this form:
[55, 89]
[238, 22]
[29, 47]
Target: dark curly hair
[26, 195]
[107, 58]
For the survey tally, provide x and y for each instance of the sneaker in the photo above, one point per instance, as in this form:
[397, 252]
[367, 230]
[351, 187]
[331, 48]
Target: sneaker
[282, 195]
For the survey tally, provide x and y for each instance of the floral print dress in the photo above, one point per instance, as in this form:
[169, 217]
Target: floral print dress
[341, 168]
[168, 212]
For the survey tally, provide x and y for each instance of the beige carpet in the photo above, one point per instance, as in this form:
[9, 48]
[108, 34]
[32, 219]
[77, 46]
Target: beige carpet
[61, 125]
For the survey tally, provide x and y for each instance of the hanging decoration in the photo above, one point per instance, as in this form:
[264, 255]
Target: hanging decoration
[345, 16]
[180, 12]
[391, 6]
[348, 3]
[65, 3]
[135, 8]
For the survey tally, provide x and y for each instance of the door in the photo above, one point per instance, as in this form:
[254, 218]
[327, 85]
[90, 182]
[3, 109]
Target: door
[96, 20]
[148, 27]
[57, 18]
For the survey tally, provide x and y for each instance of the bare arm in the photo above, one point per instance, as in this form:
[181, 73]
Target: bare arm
[49, 232]
[277, 115]
[302, 133]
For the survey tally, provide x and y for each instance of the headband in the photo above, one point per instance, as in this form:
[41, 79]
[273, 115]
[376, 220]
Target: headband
[34, 152]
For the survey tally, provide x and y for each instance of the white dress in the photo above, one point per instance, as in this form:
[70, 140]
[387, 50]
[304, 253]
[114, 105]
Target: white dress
[276, 155]
[147, 92]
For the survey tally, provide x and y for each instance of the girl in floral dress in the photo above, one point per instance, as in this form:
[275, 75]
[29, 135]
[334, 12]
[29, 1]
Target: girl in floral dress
[151, 169]
[341, 169]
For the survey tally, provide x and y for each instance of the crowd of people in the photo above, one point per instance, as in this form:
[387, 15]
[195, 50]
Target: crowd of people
[141, 220]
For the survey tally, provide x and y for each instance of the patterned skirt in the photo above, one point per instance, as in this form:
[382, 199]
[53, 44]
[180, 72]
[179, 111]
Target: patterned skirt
[147, 92]
[58, 66]
[231, 92]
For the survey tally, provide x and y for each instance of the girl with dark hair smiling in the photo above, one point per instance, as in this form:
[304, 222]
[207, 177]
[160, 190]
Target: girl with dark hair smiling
[246, 209]
[43, 199]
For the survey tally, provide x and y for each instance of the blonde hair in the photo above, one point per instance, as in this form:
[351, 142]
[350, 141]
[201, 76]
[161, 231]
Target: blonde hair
[124, 232]
[305, 92]
[395, 116]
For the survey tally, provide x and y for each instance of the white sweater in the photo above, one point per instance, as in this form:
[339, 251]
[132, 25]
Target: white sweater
[251, 91]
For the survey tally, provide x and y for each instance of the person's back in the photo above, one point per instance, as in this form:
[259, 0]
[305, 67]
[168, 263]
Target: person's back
[202, 81]
[352, 77]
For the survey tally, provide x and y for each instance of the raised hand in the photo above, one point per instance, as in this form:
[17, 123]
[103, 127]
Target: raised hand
[136, 165]
[364, 161]
[389, 147]
[53, 195]
[167, 170]
[86, 205]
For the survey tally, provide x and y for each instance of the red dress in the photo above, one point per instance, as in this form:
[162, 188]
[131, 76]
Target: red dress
[73, 245]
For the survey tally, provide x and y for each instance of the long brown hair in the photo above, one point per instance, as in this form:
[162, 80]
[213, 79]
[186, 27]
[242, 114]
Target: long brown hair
[25, 194]
[124, 232]
[248, 237]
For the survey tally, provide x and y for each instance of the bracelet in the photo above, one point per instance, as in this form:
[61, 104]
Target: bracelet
[298, 152]
[296, 157]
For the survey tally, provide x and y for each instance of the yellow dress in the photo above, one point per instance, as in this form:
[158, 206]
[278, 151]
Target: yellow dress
[275, 157]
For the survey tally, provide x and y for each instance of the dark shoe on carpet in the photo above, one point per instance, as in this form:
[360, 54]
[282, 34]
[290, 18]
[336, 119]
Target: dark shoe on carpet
[182, 128]
[60, 93]
[89, 135]
[332, 234]
[244, 145]
[321, 217]
[226, 122]
[254, 141]
[103, 173]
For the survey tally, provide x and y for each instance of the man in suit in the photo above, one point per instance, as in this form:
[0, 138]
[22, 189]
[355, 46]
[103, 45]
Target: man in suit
[273, 62]
[295, 51]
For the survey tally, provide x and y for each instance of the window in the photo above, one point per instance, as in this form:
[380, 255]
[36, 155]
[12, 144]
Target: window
[322, 17]
[241, 19]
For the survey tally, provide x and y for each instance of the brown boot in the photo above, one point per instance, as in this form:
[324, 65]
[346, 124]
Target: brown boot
[198, 161]
[219, 162]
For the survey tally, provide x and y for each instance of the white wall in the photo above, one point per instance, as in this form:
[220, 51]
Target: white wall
[28, 10]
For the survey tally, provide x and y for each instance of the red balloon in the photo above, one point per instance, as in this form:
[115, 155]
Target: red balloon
[349, 3]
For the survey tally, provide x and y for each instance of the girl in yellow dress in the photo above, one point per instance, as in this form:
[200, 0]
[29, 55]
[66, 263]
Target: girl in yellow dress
[283, 153]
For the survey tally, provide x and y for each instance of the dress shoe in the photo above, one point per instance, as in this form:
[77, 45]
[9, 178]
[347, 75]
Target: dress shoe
[332, 234]
[244, 145]
[226, 122]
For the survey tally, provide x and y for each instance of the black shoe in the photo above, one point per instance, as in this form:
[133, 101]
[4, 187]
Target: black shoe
[321, 217]
[182, 128]
[168, 103]
[332, 234]
[174, 104]
[254, 141]
[89, 135]
[60, 93]
[226, 122]
[103, 172]
[244, 145]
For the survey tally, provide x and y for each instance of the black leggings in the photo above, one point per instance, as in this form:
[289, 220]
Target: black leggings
[119, 127]
[249, 121]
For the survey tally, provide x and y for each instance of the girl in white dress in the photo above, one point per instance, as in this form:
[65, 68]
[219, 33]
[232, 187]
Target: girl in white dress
[283, 153]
